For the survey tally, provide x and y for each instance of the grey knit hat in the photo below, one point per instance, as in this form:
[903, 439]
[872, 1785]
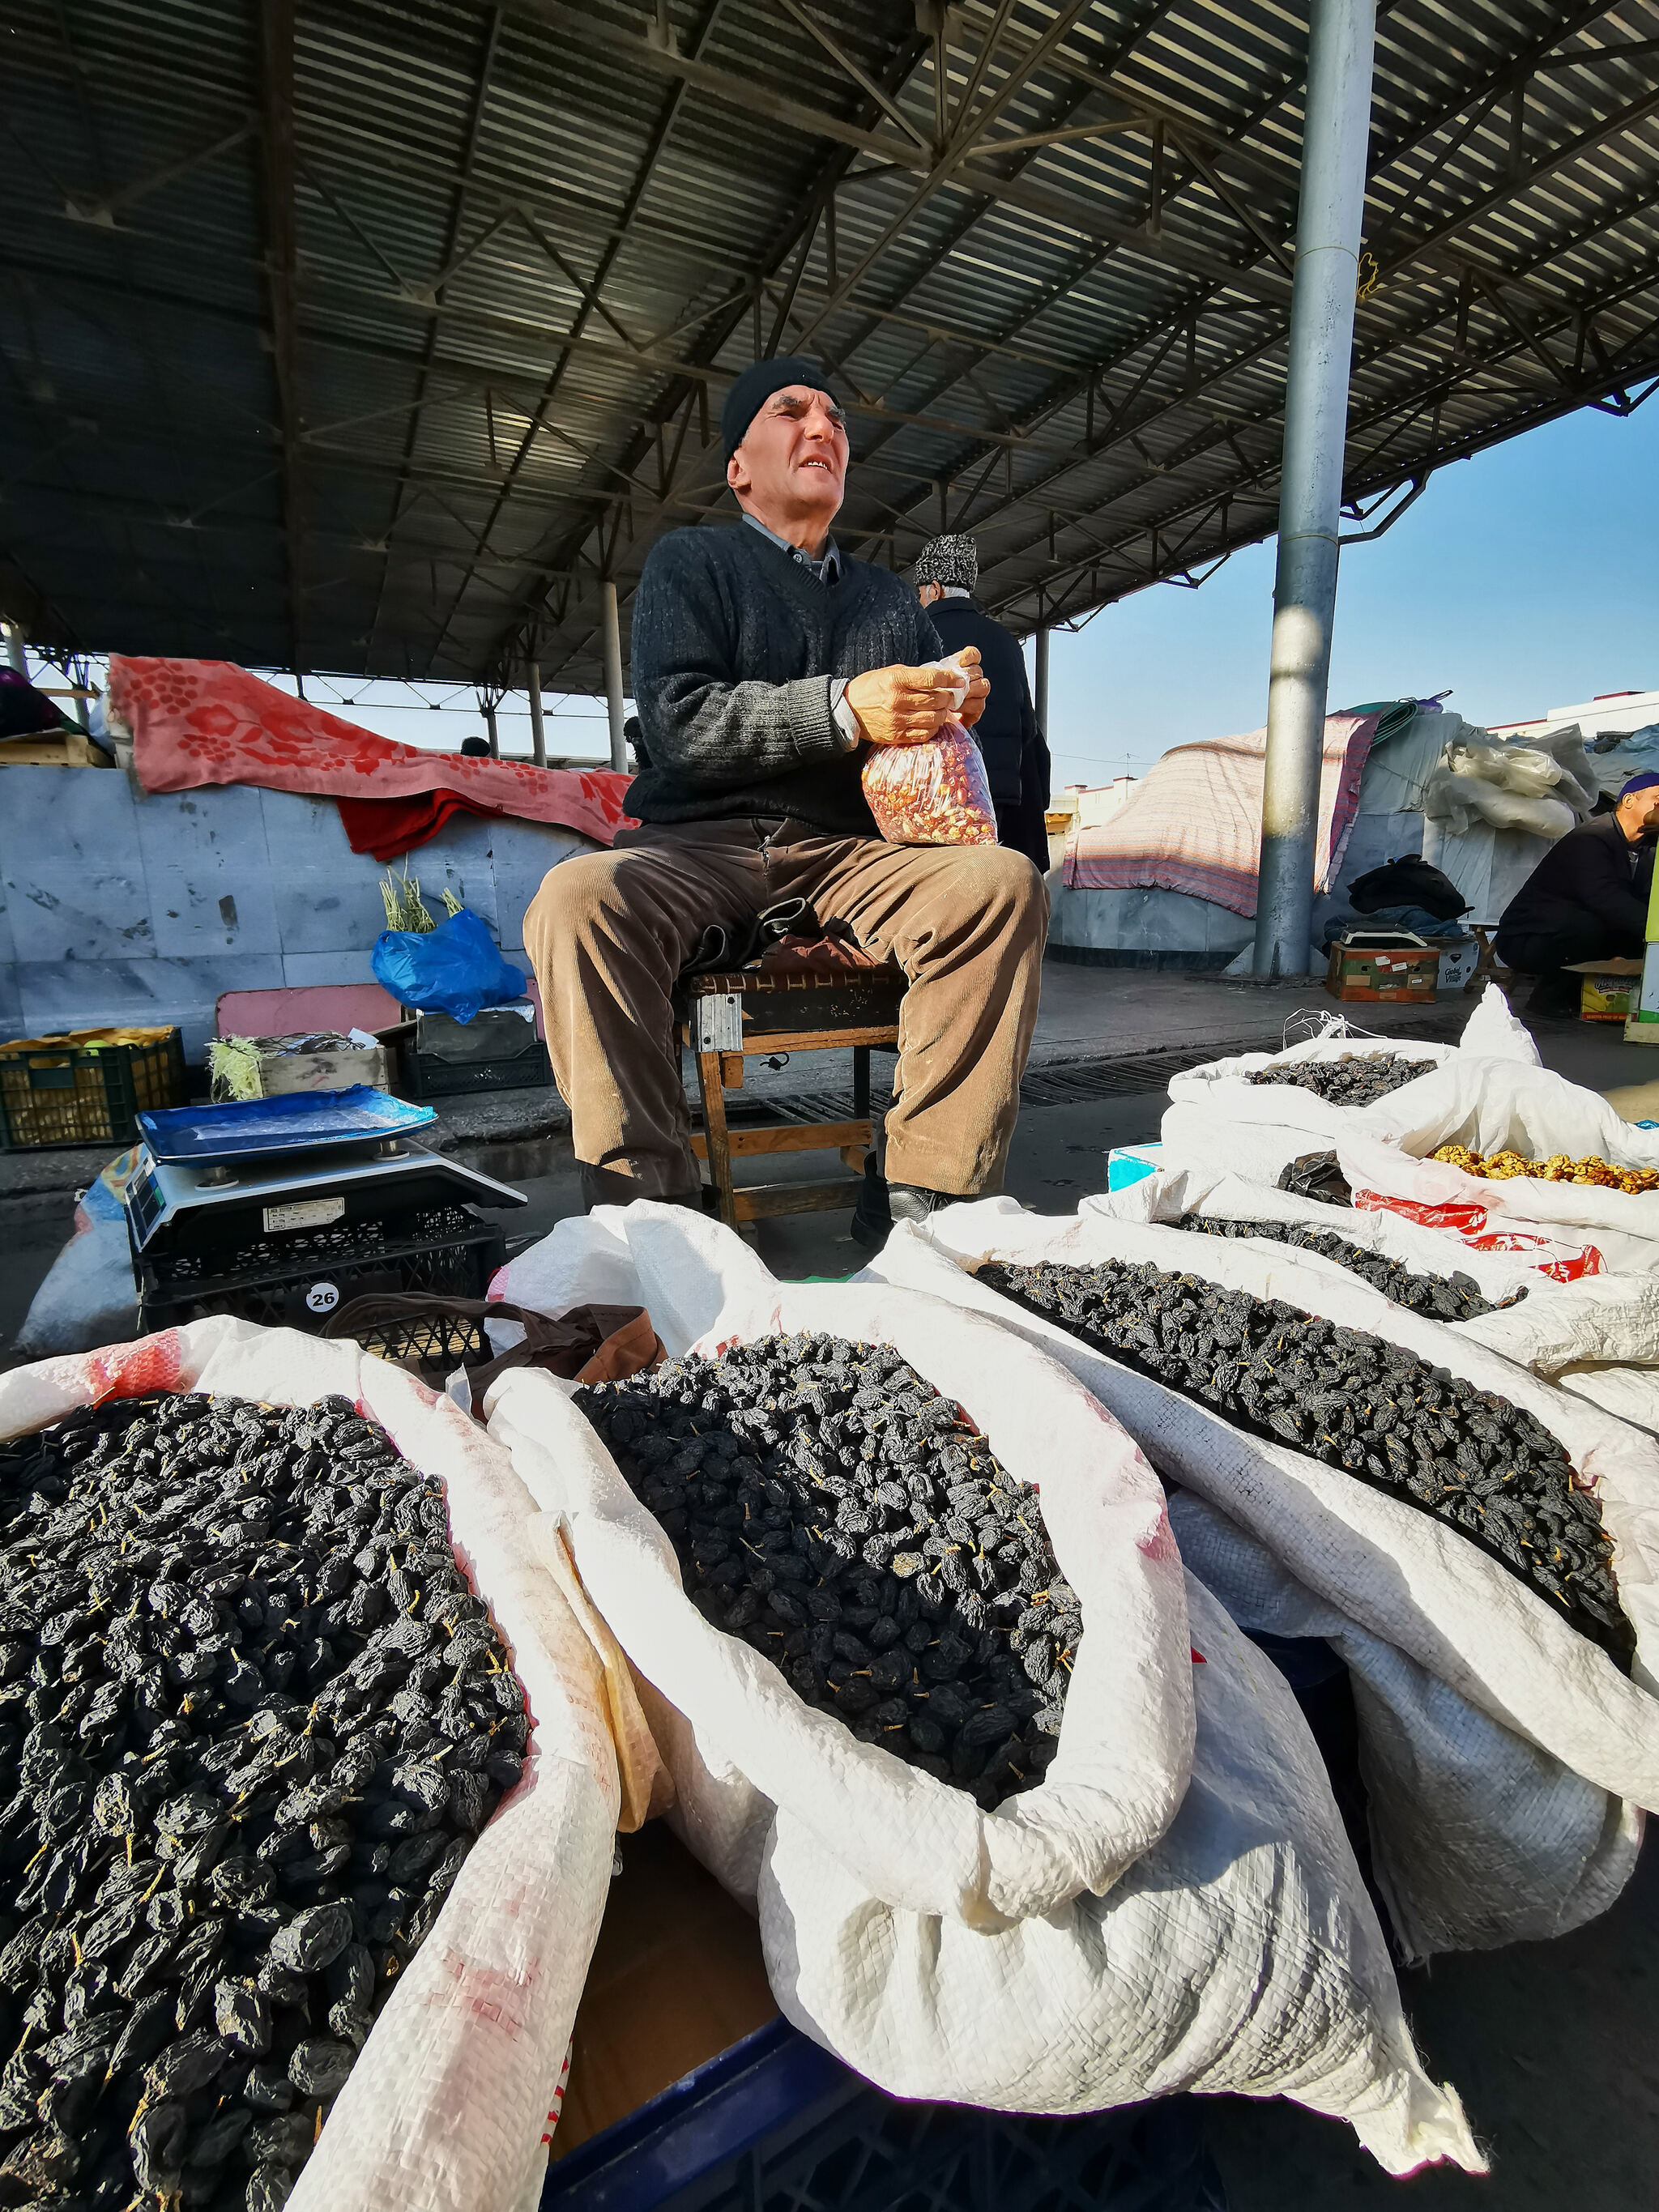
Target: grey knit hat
[949, 560]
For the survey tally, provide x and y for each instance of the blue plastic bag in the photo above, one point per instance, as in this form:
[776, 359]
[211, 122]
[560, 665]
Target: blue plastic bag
[454, 968]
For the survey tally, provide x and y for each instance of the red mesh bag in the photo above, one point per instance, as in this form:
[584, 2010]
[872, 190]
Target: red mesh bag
[933, 793]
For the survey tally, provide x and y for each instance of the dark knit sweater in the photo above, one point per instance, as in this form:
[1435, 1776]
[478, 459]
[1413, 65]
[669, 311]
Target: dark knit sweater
[735, 646]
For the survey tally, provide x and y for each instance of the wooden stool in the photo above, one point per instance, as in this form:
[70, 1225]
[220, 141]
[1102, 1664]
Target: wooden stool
[1487, 968]
[727, 1018]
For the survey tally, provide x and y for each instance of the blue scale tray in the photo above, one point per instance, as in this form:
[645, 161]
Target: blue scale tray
[303, 1122]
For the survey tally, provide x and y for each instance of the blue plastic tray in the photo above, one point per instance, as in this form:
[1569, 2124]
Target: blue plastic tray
[303, 1121]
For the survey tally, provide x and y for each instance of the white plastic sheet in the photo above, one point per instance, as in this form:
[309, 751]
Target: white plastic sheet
[447, 2104]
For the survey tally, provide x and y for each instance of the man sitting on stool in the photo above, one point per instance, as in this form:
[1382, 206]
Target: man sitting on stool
[1586, 900]
[764, 663]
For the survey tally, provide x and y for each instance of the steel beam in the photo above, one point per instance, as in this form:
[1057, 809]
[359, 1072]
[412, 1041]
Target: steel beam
[613, 674]
[282, 279]
[532, 678]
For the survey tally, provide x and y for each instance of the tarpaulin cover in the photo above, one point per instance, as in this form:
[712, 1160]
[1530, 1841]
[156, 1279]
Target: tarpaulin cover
[198, 722]
[1194, 824]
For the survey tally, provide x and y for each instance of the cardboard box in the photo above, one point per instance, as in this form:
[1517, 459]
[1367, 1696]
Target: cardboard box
[1610, 991]
[1392, 966]
[677, 1978]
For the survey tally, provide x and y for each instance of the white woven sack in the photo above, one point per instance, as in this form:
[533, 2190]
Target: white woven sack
[1219, 1121]
[1168, 1193]
[1388, 1567]
[1622, 1227]
[1596, 1336]
[1087, 1944]
[1477, 1839]
[448, 2102]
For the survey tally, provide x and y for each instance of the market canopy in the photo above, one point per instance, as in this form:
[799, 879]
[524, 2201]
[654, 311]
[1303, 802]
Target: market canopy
[372, 334]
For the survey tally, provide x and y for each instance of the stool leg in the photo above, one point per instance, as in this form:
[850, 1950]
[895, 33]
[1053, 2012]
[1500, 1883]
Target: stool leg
[860, 1082]
[713, 1123]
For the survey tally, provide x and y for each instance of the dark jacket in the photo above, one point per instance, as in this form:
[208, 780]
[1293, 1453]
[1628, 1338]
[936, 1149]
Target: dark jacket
[1015, 748]
[735, 646]
[1588, 872]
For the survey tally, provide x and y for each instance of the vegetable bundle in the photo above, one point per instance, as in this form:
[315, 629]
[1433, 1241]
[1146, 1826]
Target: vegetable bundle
[258, 1720]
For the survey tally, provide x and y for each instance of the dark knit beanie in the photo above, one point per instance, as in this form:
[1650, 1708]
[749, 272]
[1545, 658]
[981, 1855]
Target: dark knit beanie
[949, 560]
[755, 386]
[1645, 781]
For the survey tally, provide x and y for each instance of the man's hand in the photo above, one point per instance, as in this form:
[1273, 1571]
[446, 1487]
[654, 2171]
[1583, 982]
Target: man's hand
[903, 706]
[979, 689]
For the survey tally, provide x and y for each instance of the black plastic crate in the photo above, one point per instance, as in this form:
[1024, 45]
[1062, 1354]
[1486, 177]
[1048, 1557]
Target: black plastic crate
[297, 1281]
[84, 1087]
[496, 1050]
[776, 2125]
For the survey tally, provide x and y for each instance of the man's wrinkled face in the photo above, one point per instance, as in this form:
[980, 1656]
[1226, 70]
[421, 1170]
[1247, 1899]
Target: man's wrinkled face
[791, 464]
[1639, 813]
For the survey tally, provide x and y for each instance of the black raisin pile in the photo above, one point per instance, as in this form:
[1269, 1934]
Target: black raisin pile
[1356, 1078]
[1488, 1468]
[1443, 1297]
[830, 1508]
[254, 1721]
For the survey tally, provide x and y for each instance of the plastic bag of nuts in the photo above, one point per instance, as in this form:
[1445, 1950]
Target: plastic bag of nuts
[932, 793]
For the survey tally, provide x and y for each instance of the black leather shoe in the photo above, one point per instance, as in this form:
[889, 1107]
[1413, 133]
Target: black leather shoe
[871, 1218]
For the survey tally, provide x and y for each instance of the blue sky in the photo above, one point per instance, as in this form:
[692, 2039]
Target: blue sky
[1526, 578]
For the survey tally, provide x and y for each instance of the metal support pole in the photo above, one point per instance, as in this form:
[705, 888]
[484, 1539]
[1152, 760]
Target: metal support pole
[490, 730]
[15, 653]
[1330, 217]
[532, 676]
[1041, 688]
[613, 676]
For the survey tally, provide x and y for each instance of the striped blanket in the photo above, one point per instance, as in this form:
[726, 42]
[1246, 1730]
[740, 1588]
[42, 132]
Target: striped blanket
[1194, 824]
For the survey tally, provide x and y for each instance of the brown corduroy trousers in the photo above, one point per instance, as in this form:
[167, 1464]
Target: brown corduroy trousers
[609, 932]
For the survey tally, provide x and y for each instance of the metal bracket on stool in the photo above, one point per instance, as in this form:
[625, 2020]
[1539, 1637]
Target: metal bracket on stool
[719, 1022]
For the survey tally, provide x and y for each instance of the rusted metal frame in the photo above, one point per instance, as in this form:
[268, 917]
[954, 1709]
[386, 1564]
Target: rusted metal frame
[1255, 353]
[403, 289]
[1635, 50]
[102, 210]
[480, 100]
[809, 234]
[163, 390]
[1470, 372]
[587, 294]
[989, 47]
[905, 60]
[1399, 473]
[282, 259]
[647, 168]
[1396, 215]
[1534, 345]
[844, 62]
[1239, 210]
[1576, 149]
[961, 230]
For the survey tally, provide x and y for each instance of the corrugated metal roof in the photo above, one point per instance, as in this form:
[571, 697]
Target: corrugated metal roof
[369, 334]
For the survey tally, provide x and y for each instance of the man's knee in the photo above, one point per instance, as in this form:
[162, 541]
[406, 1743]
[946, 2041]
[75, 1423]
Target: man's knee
[574, 903]
[1010, 888]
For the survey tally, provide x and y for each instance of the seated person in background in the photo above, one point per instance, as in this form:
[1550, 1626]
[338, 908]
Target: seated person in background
[475, 749]
[1586, 900]
[764, 661]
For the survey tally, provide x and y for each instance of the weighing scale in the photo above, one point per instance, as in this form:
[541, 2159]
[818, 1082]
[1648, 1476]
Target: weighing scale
[281, 1209]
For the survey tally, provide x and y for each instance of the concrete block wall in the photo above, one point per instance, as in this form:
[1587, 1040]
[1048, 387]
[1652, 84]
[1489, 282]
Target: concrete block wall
[123, 905]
